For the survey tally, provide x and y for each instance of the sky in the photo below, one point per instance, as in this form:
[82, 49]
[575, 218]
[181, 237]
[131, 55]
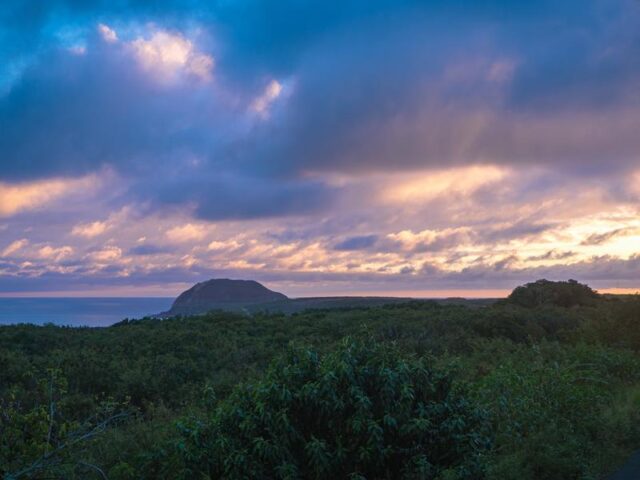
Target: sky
[378, 147]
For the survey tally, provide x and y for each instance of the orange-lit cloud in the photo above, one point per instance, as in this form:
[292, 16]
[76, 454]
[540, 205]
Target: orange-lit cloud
[423, 186]
[54, 253]
[186, 233]
[219, 246]
[107, 254]
[90, 230]
[13, 247]
[19, 197]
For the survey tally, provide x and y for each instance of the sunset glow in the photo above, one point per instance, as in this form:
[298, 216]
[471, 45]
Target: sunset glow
[149, 147]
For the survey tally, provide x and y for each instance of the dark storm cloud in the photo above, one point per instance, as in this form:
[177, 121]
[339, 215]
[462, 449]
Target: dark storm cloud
[75, 114]
[226, 197]
[407, 93]
[376, 86]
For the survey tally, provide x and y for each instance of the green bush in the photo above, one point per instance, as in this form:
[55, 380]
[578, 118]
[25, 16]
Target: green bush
[38, 440]
[360, 412]
[548, 405]
[616, 323]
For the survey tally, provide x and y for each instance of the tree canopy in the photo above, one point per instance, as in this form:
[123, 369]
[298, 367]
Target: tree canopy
[363, 411]
[559, 294]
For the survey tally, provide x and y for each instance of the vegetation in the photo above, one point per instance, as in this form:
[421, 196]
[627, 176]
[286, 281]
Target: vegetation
[361, 412]
[561, 294]
[518, 389]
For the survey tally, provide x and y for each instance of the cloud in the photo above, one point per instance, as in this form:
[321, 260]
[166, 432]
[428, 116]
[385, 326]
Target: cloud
[220, 196]
[19, 197]
[424, 186]
[90, 230]
[107, 33]
[600, 238]
[516, 229]
[356, 243]
[269, 95]
[167, 54]
[421, 117]
[330, 142]
[434, 108]
[107, 254]
[599, 273]
[111, 115]
[54, 253]
[143, 250]
[14, 246]
[429, 240]
[102, 111]
[551, 255]
[221, 246]
[186, 233]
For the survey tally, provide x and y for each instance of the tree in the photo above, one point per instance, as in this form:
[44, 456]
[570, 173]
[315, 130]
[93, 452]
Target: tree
[363, 411]
[39, 442]
[560, 294]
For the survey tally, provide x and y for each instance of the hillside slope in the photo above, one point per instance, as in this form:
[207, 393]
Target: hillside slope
[223, 294]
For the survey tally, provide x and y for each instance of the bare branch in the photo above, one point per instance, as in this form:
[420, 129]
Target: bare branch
[49, 458]
[96, 468]
[52, 409]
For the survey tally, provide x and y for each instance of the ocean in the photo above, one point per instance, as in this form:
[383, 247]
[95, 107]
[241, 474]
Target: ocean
[77, 312]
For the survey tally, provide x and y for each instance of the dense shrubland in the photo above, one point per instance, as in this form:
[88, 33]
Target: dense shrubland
[359, 412]
[544, 385]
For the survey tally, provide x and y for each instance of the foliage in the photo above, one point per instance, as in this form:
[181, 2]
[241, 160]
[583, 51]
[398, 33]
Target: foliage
[561, 294]
[560, 385]
[547, 404]
[362, 411]
[40, 438]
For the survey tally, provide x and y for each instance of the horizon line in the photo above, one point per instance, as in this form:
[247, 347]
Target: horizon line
[432, 294]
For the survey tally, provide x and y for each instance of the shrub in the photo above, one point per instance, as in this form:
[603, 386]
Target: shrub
[360, 412]
[547, 402]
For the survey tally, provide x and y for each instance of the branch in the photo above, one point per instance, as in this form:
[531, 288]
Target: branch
[96, 468]
[52, 409]
[48, 457]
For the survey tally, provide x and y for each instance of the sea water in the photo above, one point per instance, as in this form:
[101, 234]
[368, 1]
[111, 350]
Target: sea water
[89, 312]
